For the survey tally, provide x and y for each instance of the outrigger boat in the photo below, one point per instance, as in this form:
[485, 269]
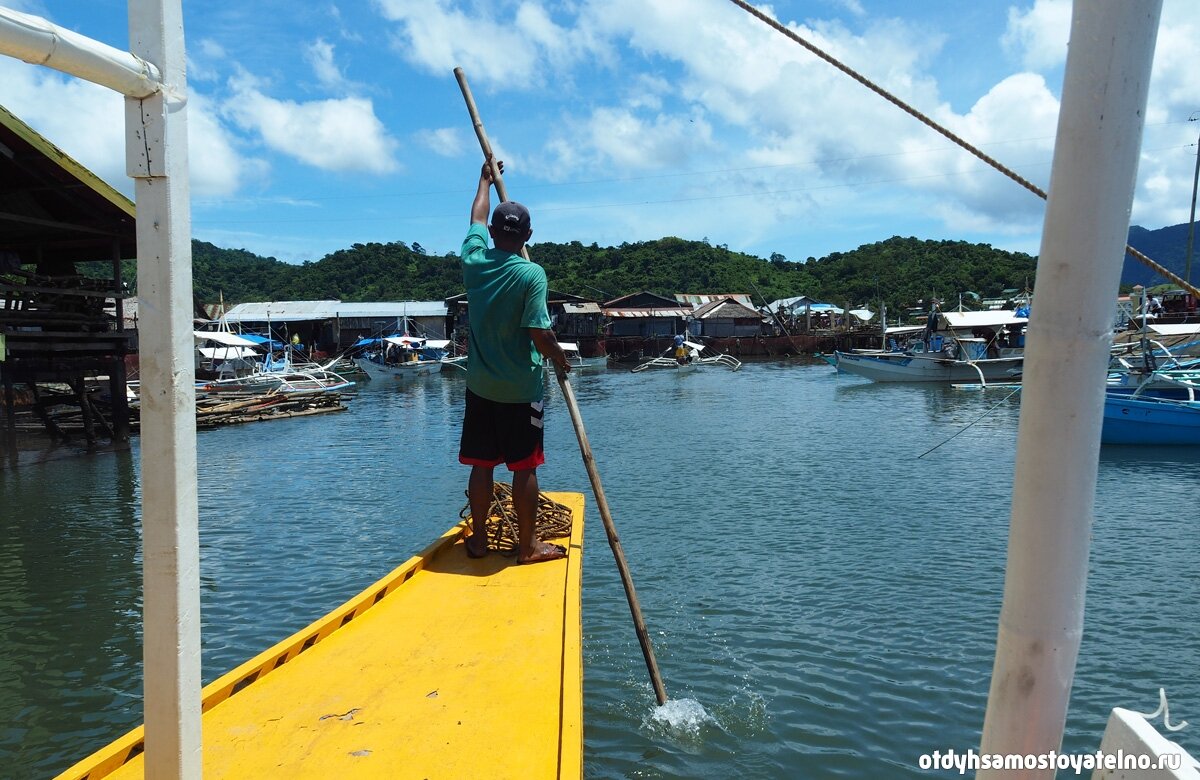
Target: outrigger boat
[446, 667]
[694, 359]
[317, 380]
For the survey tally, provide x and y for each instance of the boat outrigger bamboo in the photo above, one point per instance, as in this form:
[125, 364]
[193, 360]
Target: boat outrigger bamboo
[411, 678]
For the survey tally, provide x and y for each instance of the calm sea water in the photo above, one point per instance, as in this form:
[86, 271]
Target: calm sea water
[823, 602]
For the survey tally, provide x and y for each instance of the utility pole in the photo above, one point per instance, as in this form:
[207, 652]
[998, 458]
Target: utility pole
[1187, 263]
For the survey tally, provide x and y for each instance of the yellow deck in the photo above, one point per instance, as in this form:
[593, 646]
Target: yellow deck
[446, 668]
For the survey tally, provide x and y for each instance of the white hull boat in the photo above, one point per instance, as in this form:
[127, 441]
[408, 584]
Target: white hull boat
[410, 370]
[928, 367]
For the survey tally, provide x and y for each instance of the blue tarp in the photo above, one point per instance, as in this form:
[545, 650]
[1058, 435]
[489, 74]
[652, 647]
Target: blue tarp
[257, 339]
[366, 342]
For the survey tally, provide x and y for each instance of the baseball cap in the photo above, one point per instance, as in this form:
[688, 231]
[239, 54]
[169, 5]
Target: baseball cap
[511, 217]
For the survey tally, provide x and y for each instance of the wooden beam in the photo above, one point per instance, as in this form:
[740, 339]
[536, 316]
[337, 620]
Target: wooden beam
[73, 227]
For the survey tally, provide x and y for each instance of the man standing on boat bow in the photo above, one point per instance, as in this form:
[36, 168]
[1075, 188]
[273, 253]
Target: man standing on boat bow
[508, 337]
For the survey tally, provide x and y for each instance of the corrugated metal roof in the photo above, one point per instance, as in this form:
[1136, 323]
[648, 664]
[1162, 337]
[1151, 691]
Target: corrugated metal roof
[699, 299]
[621, 313]
[725, 308]
[581, 308]
[291, 311]
[280, 311]
[392, 309]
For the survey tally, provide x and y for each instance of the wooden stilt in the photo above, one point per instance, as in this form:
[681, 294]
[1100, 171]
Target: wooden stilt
[85, 409]
[119, 403]
[10, 414]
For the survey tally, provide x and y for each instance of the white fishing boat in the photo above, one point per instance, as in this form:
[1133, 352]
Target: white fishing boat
[977, 346]
[404, 357]
[950, 364]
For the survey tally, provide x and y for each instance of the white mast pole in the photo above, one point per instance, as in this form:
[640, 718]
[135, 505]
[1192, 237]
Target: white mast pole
[1087, 218]
[156, 154]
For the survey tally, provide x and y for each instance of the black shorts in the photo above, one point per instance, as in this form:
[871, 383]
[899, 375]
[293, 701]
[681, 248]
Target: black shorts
[495, 433]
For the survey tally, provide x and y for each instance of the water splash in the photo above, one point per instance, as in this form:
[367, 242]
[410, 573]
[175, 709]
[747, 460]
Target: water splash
[683, 719]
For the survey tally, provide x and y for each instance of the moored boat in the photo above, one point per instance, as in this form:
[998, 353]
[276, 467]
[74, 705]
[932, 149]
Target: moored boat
[688, 356]
[1149, 420]
[278, 382]
[937, 366]
[404, 357]
[954, 346]
[394, 684]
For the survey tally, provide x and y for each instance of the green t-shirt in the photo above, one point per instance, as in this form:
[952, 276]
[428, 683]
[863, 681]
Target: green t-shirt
[506, 294]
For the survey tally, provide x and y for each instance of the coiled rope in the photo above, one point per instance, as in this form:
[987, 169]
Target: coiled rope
[553, 519]
[861, 79]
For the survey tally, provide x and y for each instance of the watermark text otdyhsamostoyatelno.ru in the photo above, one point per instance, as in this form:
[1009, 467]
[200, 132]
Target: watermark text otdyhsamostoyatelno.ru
[970, 761]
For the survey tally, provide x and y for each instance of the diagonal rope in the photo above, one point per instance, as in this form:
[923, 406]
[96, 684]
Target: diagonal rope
[968, 425]
[888, 96]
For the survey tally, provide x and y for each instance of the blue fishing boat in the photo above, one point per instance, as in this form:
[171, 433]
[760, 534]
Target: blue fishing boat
[1143, 419]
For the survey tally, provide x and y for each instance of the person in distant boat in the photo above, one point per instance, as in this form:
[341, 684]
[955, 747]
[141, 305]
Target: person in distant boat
[681, 351]
[509, 334]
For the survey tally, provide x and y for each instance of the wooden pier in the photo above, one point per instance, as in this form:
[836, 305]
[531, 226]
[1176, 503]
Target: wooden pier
[63, 235]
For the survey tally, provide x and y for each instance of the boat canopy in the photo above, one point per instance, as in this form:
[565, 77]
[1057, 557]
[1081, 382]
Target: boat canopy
[1176, 328]
[900, 330]
[263, 341]
[694, 345]
[995, 318]
[436, 344]
[568, 346]
[405, 341]
[224, 338]
[226, 353]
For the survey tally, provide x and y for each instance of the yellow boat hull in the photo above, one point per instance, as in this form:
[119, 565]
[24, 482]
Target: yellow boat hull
[448, 667]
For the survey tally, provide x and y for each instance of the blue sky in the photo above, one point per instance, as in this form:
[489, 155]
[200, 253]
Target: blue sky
[315, 126]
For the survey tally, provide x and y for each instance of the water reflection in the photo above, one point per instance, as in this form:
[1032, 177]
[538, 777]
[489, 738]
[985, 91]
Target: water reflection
[70, 610]
[826, 596]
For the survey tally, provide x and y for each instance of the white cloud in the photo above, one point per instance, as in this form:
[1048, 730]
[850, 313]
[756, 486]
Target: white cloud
[1038, 36]
[852, 7]
[85, 120]
[320, 56]
[620, 139]
[335, 135]
[204, 59]
[217, 168]
[444, 141]
[1169, 144]
[515, 45]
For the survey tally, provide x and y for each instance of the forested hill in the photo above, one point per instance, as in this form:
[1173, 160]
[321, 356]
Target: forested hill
[900, 271]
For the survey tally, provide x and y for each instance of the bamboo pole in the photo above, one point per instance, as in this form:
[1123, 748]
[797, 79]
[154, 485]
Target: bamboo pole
[614, 541]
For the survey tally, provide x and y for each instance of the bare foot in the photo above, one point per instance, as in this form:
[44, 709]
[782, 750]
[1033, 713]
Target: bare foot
[475, 549]
[542, 551]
